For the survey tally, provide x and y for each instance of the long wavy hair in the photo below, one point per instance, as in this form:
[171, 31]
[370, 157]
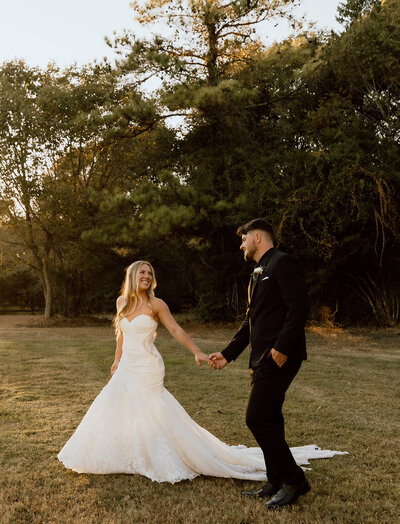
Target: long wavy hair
[130, 292]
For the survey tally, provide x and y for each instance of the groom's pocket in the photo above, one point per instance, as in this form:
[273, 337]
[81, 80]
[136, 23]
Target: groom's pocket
[266, 368]
[273, 362]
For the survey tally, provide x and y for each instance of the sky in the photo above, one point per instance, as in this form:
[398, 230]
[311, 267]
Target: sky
[68, 31]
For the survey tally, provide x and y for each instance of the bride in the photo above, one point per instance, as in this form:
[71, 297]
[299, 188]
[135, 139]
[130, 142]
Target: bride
[135, 425]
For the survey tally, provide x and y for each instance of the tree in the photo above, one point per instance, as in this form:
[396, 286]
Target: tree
[315, 148]
[351, 10]
[62, 133]
[197, 196]
[348, 208]
[208, 38]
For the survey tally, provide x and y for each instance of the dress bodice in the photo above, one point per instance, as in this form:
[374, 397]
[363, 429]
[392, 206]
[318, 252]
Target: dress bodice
[138, 335]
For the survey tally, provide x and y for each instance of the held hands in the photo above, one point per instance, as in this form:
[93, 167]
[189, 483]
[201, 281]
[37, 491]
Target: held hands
[217, 361]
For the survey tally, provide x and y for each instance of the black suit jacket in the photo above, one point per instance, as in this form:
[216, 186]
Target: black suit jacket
[276, 312]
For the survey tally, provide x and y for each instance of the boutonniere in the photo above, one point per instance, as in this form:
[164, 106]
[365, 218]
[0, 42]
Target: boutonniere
[257, 271]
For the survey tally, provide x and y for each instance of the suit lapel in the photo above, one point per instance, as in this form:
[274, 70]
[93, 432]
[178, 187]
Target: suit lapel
[252, 287]
[265, 265]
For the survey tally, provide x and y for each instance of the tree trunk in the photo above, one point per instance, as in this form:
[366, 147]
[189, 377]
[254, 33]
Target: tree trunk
[212, 54]
[47, 291]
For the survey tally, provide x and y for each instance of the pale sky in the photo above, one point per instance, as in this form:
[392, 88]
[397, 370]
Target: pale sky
[67, 31]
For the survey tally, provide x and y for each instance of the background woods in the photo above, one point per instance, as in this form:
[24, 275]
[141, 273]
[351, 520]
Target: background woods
[305, 132]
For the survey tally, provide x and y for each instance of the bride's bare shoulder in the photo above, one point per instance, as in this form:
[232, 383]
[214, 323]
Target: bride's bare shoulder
[121, 300]
[157, 304]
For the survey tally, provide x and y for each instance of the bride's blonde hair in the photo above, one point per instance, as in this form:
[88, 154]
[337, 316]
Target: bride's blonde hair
[130, 292]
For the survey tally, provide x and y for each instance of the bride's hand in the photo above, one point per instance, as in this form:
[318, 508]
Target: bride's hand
[200, 357]
[114, 367]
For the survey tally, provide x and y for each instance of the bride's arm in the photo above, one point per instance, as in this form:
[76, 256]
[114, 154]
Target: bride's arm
[161, 309]
[118, 349]
[118, 353]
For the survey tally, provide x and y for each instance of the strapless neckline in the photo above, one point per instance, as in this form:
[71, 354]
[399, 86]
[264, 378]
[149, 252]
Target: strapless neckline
[137, 316]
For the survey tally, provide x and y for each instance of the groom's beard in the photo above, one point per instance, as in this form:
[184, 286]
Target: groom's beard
[249, 255]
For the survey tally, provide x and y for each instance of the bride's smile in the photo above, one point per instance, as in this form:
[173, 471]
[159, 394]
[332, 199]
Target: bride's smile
[145, 277]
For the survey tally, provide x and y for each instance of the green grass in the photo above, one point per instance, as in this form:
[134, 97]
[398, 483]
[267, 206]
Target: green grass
[345, 397]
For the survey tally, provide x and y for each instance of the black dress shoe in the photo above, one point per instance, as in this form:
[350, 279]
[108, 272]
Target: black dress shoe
[266, 491]
[288, 494]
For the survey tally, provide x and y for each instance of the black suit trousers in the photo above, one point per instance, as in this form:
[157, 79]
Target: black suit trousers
[265, 420]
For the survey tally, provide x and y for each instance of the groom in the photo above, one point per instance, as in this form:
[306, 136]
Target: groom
[274, 329]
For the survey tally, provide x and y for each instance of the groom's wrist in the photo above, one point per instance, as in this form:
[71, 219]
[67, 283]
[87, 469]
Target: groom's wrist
[226, 356]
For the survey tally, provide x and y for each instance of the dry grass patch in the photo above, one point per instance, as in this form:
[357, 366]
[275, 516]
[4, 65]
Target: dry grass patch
[345, 397]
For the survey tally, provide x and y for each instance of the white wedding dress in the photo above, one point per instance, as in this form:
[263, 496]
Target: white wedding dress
[136, 426]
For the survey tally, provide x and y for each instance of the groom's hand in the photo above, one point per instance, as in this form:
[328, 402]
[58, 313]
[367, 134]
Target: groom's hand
[217, 361]
[279, 358]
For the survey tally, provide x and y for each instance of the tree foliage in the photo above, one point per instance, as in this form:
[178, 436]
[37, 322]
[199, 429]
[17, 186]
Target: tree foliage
[304, 132]
[63, 136]
[351, 10]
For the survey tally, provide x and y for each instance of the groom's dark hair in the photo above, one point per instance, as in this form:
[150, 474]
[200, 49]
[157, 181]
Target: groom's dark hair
[257, 223]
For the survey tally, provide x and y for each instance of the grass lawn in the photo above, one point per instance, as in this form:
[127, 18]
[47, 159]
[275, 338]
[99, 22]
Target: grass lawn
[346, 397]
